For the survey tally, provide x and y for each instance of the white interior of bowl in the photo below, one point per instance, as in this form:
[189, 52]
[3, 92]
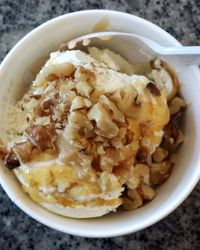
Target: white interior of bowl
[20, 66]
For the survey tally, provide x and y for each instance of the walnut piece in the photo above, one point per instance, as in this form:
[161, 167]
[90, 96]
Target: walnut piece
[79, 128]
[176, 105]
[11, 160]
[80, 102]
[159, 154]
[78, 120]
[109, 159]
[53, 72]
[173, 137]
[133, 201]
[141, 172]
[142, 154]
[84, 75]
[23, 150]
[159, 172]
[105, 126]
[84, 89]
[147, 192]
[125, 99]
[153, 89]
[124, 171]
[111, 108]
[43, 137]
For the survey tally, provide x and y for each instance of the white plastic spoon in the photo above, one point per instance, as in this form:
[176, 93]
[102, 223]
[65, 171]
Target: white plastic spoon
[137, 48]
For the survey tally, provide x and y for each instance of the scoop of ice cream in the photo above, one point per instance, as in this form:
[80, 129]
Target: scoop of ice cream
[85, 124]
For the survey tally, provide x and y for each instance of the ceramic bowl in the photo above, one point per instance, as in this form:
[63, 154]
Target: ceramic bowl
[22, 64]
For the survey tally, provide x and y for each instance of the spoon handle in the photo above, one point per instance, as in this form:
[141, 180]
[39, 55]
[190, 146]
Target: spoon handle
[187, 54]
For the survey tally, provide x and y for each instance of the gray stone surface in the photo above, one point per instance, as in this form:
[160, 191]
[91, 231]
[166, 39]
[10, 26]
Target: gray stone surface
[181, 229]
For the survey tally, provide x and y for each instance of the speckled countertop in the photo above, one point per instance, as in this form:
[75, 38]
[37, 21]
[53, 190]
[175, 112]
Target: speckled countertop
[181, 229]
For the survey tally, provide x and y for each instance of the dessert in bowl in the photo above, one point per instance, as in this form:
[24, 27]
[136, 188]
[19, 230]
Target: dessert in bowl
[81, 132]
[91, 134]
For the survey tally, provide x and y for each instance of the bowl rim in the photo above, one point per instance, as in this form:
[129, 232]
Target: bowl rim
[74, 231]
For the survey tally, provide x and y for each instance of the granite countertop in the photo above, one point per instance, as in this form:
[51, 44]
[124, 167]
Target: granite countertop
[181, 229]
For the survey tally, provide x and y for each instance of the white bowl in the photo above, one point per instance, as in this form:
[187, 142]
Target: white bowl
[19, 67]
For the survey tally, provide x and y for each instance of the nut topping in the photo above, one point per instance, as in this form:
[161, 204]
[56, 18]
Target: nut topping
[43, 137]
[23, 150]
[153, 89]
[11, 160]
[90, 132]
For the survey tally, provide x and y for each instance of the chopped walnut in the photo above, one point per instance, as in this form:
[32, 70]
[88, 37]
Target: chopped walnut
[68, 97]
[45, 120]
[23, 150]
[176, 105]
[124, 171]
[117, 141]
[133, 201]
[173, 137]
[53, 72]
[108, 182]
[125, 99]
[99, 138]
[159, 172]
[159, 154]
[164, 78]
[78, 120]
[72, 136]
[128, 136]
[79, 128]
[11, 160]
[68, 154]
[66, 90]
[80, 102]
[130, 150]
[109, 159]
[153, 89]
[43, 137]
[141, 172]
[48, 103]
[84, 89]
[106, 163]
[35, 96]
[105, 126]
[110, 106]
[146, 192]
[84, 75]
[142, 154]
[100, 150]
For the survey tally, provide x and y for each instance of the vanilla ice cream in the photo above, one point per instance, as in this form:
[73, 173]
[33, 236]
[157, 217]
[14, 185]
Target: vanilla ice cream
[91, 133]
